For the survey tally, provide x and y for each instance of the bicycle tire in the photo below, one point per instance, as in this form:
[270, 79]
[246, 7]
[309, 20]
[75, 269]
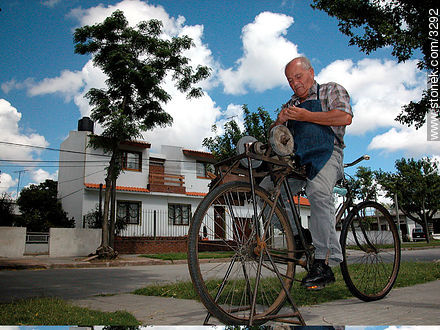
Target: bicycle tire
[226, 288]
[371, 255]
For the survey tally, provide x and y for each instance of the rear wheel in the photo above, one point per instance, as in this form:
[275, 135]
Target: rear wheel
[371, 249]
[242, 287]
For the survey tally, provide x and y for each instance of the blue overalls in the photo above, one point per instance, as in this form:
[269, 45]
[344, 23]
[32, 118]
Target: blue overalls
[313, 143]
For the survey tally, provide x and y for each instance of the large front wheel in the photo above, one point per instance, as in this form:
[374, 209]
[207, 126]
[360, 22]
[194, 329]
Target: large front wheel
[254, 240]
[371, 249]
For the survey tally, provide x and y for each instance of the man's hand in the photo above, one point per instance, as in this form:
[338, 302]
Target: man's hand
[292, 113]
[295, 113]
[333, 117]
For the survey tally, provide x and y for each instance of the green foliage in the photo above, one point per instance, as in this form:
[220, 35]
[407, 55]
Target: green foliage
[41, 209]
[7, 217]
[417, 185]
[402, 25]
[55, 311]
[94, 220]
[256, 124]
[363, 186]
[136, 62]
[410, 273]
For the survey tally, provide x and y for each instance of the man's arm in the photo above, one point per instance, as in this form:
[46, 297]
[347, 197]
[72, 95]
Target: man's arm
[333, 117]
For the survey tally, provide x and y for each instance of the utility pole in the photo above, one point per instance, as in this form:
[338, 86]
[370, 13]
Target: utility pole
[19, 177]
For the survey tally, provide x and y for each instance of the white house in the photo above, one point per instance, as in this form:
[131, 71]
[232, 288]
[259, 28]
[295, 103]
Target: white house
[157, 193]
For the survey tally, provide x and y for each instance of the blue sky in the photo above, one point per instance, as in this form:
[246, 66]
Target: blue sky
[246, 43]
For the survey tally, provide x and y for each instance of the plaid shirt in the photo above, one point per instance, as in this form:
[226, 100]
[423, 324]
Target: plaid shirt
[332, 96]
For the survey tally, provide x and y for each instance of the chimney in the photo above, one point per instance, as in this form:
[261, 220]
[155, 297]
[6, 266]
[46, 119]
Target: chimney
[85, 124]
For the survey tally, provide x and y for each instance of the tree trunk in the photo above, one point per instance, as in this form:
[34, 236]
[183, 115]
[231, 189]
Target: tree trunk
[113, 214]
[105, 227]
[425, 221]
[105, 251]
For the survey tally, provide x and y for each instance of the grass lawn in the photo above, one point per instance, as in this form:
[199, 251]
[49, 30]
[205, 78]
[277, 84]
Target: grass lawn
[226, 254]
[55, 311]
[183, 255]
[410, 273]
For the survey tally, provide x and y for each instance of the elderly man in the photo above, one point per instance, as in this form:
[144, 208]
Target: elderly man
[317, 115]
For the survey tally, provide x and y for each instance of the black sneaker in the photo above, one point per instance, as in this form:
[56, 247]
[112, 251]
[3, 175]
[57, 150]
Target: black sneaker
[318, 277]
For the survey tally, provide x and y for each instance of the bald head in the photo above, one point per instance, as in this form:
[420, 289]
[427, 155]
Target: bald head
[300, 75]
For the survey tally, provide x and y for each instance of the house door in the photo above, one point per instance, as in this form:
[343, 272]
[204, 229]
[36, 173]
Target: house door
[219, 222]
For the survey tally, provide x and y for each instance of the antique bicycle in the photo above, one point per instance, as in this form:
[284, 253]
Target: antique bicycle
[252, 281]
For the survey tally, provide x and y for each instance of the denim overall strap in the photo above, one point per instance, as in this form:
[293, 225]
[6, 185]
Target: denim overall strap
[313, 143]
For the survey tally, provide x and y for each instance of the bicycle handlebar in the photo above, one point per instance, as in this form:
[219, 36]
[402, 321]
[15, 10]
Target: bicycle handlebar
[364, 157]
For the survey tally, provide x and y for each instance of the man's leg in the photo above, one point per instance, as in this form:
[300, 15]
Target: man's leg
[322, 209]
[322, 223]
[295, 186]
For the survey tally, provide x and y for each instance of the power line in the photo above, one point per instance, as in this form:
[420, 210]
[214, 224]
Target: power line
[51, 149]
[77, 152]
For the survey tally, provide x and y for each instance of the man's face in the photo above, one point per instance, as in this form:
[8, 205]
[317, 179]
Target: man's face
[300, 79]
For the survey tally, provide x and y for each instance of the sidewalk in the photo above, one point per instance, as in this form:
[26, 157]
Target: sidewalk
[46, 262]
[416, 305]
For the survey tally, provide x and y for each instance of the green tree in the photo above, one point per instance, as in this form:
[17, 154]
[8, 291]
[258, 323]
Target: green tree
[256, 124]
[363, 184]
[402, 25]
[41, 209]
[7, 217]
[136, 61]
[417, 185]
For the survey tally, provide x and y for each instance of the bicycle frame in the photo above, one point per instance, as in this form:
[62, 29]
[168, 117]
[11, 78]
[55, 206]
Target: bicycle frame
[280, 171]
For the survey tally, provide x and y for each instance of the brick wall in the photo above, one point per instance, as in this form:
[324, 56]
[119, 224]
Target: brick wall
[128, 245]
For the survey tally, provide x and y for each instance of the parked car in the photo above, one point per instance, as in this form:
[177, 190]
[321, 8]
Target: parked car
[418, 234]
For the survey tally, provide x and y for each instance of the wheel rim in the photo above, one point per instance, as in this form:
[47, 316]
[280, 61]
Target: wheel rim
[228, 286]
[371, 252]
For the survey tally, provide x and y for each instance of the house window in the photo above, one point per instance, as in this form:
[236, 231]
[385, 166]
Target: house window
[129, 212]
[201, 170]
[131, 161]
[179, 214]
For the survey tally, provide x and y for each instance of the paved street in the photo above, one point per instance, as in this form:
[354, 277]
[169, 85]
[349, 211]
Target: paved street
[85, 282]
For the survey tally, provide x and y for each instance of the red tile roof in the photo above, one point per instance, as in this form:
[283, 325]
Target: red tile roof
[303, 201]
[141, 144]
[189, 193]
[121, 188]
[200, 154]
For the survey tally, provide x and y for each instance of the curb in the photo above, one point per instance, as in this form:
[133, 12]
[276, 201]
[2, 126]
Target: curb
[104, 264]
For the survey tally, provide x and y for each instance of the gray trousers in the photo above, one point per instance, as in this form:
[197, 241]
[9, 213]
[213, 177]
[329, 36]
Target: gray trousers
[322, 212]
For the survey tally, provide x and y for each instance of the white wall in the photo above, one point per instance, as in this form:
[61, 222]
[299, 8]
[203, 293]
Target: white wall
[12, 241]
[71, 175]
[71, 242]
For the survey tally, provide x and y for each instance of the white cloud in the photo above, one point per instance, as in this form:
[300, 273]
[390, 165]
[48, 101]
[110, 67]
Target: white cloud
[6, 182]
[135, 11]
[413, 142]
[68, 84]
[378, 89]
[40, 175]
[10, 132]
[265, 53]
